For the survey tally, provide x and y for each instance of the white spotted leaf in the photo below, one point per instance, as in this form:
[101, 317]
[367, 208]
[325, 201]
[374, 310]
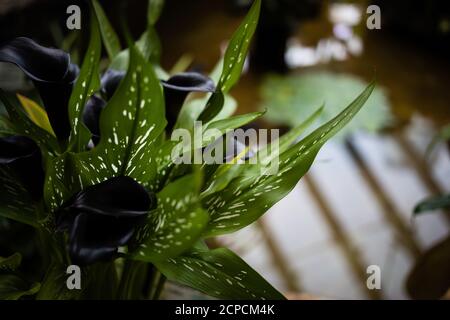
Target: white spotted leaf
[130, 126]
[176, 224]
[219, 273]
[225, 125]
[233, 62]
[109, 36]
[286, 140]
[238, 48]
[87, 83]
[252, 193]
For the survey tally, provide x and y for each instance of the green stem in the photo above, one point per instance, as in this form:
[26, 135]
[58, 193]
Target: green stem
[124, 280]
[157, 285]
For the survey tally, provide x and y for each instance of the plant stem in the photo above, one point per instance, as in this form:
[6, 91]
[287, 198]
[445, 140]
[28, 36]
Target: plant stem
[124, 279]
[157, 285]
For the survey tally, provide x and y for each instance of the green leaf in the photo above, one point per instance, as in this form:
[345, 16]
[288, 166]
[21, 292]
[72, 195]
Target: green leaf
[226, 172]
[130, 125]
[12, 287]
[155, 8]
[213, 106]
[120, 61]
[54, 285]
[233, 62]
[87, 83]
[10, 263]
[220, 179]
[219, 273]
[176, 224]
[36, 113]
[150, 45]
[225, 125]
[164, 164]
[433, 203]
[109, 36]
[252, 193]
[238, 49]
[15, 201]
[285, 141]
[6, 127]
[193, 108]
[24, 126]
[60, 183]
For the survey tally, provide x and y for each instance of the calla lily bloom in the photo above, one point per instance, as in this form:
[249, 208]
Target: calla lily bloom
[176, 89]
[23, 156]
[52, 74]
[103, 217]
[91, 116]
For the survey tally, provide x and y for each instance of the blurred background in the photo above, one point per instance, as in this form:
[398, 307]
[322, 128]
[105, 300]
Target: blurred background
[355, 207]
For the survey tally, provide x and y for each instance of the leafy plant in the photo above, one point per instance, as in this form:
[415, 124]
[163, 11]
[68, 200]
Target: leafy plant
[91, 171]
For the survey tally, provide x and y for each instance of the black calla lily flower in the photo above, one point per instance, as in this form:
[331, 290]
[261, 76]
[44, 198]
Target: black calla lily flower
[23, 156]
[176, 89]
[110, 81]
[103, 217]
[52, 74]
[91, 116]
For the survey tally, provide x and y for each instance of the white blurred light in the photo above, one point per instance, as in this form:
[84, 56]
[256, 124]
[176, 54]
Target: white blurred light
[342, 31]
[344, 13]
[355, 46]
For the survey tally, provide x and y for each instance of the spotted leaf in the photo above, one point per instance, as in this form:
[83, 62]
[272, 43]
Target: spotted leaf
[219, 273]
[233, 62]
[251, 194]
[87, 83]
[109, 36]
[286, 141]
[130, 124]
[225, 125]
[60, 183]
[238, 49]
[176, 224]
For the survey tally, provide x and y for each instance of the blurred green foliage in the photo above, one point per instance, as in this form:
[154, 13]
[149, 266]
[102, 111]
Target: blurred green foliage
[289, 100]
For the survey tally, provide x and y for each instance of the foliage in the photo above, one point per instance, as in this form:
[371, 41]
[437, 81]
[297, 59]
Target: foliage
[110, 197]
[290, 99]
